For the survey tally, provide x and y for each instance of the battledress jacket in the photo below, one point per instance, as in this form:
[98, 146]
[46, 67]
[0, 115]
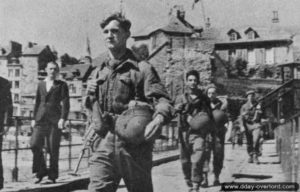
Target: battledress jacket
[191, 107]
[126, 79]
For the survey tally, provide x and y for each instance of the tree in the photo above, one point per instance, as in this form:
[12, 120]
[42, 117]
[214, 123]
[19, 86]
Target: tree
[66, 59]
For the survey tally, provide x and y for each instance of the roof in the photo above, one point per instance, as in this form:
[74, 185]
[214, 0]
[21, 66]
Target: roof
[70, 69]
[34, 49]
[174, 25]
[263, 34]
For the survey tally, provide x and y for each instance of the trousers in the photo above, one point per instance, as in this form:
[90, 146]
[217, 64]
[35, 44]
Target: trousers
[1, 166]
[47, 134]
[115, 159]
[216, 146]
[192, 157]
[253, 135]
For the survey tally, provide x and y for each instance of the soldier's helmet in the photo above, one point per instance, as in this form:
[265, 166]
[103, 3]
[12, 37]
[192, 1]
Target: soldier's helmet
[201, 123]
[131, 124]
[220, 117]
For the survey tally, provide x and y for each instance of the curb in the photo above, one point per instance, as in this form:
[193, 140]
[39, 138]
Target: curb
[80, 182]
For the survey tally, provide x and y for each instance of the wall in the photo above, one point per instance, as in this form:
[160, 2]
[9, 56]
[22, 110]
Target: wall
[173, 61]
[3, 67]
[28, 84]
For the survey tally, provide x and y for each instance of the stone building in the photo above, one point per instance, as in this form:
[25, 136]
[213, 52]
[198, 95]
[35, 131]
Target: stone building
[176, 47]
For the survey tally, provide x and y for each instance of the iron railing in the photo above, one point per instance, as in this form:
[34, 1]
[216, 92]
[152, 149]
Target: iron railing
[287, 144]
[17, 160]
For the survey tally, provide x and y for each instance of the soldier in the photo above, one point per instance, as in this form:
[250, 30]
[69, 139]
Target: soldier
[194, 124]
[251, 115]
[6, 110]
[216, 144]
[121, 86]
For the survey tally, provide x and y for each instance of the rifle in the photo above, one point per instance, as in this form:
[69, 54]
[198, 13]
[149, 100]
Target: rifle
[89, 139]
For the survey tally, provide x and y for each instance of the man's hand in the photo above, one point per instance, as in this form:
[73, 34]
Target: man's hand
[189, 118]
[153, 129]
[61, 123]
[33, 123]
[91, 86]
[179, 107]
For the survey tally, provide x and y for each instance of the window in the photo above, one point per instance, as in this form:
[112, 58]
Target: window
[231, 54]
[17, 84]
[23, 113]
[251, 35]
[72, 88]
[77, 115]
[154, 39]
[16, 97]
[233, 36]
[15, 111]
[269, 56]
[10, 73]
[251, 58]
[17, 72]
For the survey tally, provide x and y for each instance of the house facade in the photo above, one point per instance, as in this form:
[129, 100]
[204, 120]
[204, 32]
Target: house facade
[76, 76]
[22, 66]
[250, 57]
[255, 48]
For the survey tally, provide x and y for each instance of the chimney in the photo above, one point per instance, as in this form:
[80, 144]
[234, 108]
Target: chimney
[275, 17]
[31, 44]
[179, 12]
[207, 24]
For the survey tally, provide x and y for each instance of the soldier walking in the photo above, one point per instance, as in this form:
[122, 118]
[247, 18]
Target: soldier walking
[195, 124]
[216, 144]
[130, 105]
[251, 115]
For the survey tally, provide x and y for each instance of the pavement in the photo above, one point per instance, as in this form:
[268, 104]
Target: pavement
[168, 177]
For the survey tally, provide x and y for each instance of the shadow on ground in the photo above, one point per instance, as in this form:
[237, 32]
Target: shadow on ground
[257, 177]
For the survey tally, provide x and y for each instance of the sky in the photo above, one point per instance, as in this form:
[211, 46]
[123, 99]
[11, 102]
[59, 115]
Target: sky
[65, 24]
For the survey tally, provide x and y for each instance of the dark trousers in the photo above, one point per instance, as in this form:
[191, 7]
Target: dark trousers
[114, 159]
[215, 145]
[253, 134]
[192, 157]
[48, 134]
[1, 166]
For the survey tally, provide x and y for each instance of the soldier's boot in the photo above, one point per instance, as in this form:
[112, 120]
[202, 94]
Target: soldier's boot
[195, 187]
[190, 185]
[250, 160]
[204, 182]
[255, 159]
[217, 180]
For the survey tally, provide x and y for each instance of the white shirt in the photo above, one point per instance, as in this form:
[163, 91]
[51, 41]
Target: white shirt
[49, 84]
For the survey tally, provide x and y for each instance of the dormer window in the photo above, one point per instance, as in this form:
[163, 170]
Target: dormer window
[251, 34]
[233, 35]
